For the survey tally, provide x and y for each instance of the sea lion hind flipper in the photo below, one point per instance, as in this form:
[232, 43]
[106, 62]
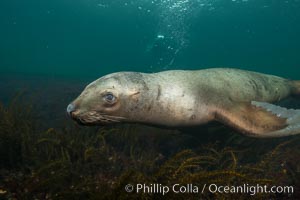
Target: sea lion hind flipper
[292, 117]
[260, 119]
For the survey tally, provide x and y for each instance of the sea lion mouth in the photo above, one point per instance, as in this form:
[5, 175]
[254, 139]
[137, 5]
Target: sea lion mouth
[94, 118]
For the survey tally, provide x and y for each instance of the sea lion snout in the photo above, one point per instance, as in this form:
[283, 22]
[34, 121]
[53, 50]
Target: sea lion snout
[70, 109]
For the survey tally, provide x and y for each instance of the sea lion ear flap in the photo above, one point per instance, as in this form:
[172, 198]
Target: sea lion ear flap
[134, 94]
[258, 119]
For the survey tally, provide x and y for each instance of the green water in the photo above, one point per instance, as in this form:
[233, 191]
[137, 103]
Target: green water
[90, 38]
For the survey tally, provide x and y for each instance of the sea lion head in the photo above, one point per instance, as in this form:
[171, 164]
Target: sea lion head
[109, 99]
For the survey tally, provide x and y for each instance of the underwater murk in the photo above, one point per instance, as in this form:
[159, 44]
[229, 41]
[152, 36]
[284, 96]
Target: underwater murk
[50, 50]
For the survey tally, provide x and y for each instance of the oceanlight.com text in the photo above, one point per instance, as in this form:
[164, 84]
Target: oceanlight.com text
[156, 188]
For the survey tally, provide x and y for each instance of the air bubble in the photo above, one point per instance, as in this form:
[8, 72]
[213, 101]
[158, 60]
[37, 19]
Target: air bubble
[160, 36]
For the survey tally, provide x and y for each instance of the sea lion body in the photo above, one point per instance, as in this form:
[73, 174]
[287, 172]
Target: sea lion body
[179, 98]
[190, 97]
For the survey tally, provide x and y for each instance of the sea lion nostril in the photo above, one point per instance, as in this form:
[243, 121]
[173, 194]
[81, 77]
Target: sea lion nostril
[70, 109]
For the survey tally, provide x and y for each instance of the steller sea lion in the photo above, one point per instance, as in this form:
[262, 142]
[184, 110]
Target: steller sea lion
[240, 99]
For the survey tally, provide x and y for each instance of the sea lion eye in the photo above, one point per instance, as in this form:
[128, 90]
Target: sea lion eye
[109, 97]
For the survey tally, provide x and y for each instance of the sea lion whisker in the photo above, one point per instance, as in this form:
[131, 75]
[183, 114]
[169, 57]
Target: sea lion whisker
[114, 117]
[94, 117]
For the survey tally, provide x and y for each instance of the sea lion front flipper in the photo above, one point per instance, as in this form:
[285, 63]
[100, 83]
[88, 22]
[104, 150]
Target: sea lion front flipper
[260, 119]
